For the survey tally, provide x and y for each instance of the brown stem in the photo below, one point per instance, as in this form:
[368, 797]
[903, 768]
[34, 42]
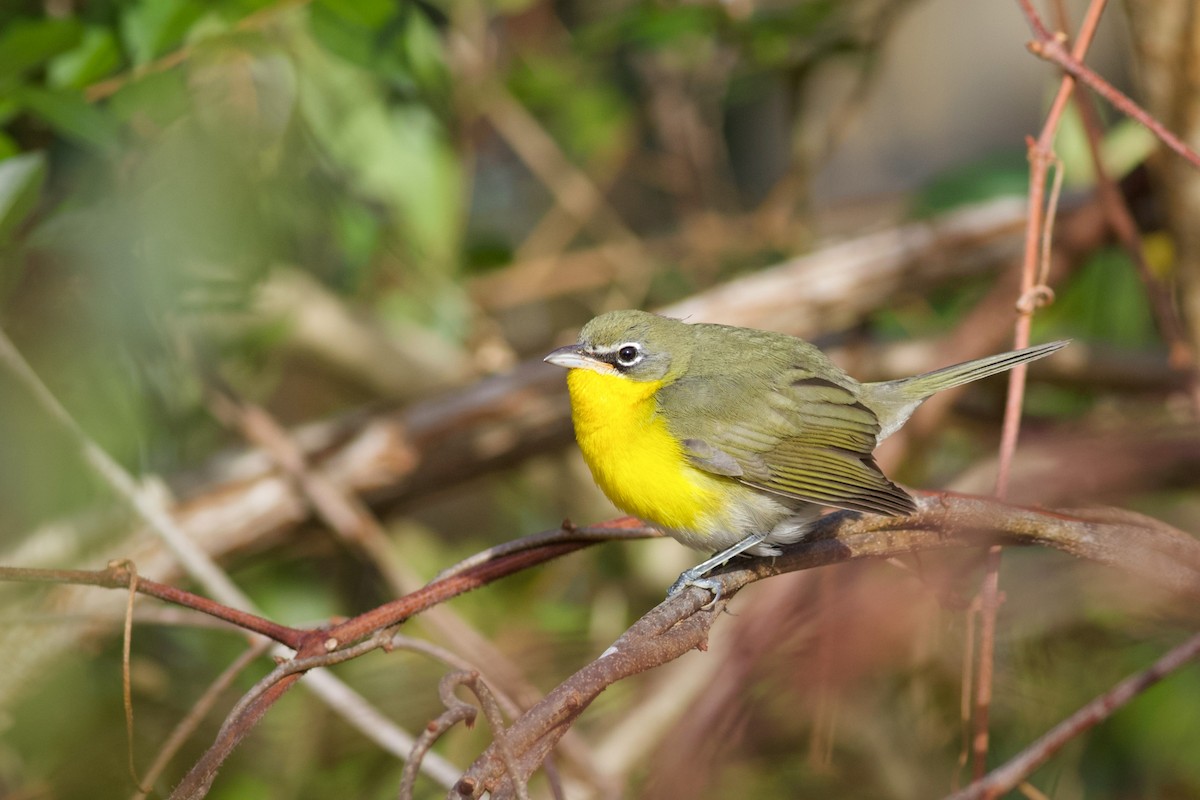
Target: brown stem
[1011, 773]
[1041, 155]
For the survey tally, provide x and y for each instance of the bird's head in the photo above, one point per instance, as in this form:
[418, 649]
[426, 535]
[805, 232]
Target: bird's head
[634, 344]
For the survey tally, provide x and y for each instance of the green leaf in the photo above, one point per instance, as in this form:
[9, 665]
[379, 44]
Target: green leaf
[8, 147]
[1126, 145]
[9, 109]
[653, 26]
[582, 110]
[367, 13]
[159, 98]
[28, 43]
[424, 53]
[96, 57]
[1104, 301]
[399, 156]
[153, 26]
[21, 179]
[71, 116]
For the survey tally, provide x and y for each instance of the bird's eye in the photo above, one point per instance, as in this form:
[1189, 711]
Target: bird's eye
[628, 355]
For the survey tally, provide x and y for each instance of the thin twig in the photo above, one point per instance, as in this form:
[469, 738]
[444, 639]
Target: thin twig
[126, 682]
[494, 717]
[1039, 223]
[199, 710]
[298, 666]
[117, 575]
[456, 711]
[1050, 47]
[613, 530]
[1012, 772]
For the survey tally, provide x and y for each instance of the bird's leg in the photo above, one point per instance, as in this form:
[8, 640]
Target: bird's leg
[695, 575]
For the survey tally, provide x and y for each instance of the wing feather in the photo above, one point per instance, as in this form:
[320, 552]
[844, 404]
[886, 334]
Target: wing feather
[811, 440]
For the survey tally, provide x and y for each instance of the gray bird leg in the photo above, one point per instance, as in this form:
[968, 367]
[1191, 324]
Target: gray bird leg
[695, 575]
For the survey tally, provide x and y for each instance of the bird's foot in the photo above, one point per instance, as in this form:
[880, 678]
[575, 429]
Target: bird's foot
[695, 578]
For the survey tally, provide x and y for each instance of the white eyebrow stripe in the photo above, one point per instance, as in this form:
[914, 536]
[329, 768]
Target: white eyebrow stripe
[617, 347]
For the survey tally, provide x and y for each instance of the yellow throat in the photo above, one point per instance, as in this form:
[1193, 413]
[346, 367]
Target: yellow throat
[632, 455]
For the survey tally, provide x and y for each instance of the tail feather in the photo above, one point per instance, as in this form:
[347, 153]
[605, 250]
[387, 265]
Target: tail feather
[894, 401]
[948, 377]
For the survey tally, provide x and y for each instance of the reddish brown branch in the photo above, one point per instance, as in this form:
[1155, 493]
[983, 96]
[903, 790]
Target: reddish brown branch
[325, 646]
[117, 576]
[1051, 47]
[1038, 226]
[199, 779]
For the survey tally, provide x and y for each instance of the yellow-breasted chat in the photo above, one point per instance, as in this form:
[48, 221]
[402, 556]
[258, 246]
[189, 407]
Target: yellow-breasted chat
[732, 439]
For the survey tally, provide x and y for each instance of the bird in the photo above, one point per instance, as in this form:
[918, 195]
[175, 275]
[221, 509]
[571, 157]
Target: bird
[732, 440]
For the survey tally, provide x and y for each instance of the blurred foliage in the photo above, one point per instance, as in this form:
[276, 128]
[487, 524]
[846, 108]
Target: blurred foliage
[164, 162]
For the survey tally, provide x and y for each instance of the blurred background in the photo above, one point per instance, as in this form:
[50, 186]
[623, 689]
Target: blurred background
[371, 218]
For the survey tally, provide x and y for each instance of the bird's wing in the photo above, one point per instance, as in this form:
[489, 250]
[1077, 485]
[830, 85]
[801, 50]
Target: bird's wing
[810, 440]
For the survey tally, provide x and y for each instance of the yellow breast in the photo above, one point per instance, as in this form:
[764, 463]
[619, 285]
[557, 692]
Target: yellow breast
[633, 457]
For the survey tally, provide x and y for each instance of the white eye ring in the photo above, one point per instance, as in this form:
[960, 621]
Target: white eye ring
[629, 354]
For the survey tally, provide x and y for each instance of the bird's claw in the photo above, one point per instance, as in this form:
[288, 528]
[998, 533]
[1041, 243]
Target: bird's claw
[688, 579]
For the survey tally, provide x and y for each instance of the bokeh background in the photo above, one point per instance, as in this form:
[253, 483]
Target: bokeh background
[366, 215]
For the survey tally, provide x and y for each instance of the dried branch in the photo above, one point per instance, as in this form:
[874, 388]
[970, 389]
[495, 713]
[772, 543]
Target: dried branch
[126, 682]
[1147, 548]
[458, 711]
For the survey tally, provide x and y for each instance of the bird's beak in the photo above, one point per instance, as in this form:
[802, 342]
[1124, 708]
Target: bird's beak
[572, 357]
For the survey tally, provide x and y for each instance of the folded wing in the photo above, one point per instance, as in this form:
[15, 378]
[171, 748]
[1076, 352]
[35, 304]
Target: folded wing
[809, 439]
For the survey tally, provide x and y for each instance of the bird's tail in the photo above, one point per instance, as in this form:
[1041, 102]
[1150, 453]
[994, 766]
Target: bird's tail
[901, 397]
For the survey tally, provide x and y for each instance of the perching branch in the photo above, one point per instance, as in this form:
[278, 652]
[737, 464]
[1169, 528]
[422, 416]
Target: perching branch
[1149, 549]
